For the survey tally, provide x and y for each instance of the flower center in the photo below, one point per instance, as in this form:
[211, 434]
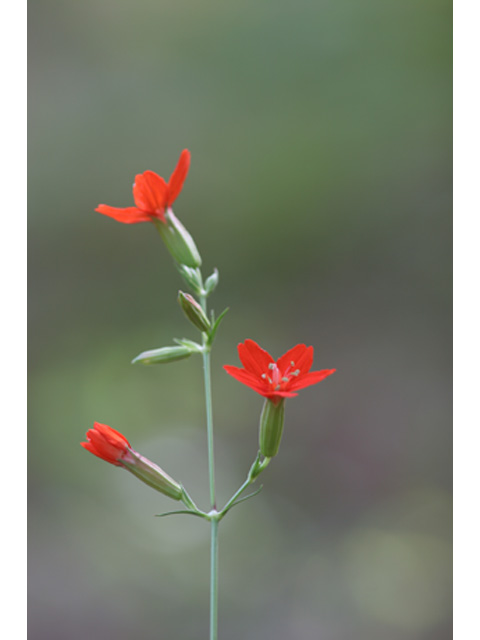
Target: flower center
[279, 380]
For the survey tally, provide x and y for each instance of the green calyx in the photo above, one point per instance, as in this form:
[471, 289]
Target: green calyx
[151, 474]
[271, 426]
[178, 241]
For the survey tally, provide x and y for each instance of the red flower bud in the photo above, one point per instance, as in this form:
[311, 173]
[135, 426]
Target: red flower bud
[106, 443]
[112, 446]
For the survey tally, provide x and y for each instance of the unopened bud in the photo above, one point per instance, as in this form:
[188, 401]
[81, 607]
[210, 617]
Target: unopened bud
[149, 473]
[164, 354]
[178, 241]
[271, 426]
[192, 277]
[193, 311]
[211, 282]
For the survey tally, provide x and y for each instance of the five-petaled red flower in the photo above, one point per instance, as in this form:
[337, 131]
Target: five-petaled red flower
[279, 379]
[106, 443]
[152, 195]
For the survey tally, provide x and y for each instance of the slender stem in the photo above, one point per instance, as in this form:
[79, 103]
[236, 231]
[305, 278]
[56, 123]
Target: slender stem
[208, 404]
[254, 472]
[238, 493]
[214, 580]
[211, 475]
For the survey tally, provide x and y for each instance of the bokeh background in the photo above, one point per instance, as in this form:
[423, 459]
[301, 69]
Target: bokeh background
[320, 187]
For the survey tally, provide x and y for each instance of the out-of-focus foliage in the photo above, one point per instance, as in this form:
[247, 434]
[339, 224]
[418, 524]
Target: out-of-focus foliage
[320, 187]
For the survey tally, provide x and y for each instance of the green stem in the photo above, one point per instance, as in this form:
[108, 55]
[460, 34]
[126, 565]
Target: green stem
[237, 494]
[211, 475]
[214, 579]
[254, 472]
[208, 405]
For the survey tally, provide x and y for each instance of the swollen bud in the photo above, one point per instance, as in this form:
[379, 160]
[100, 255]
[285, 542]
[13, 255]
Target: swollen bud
[149, 473]
[271, 427]
[193, 311]
[178, 241]
[164, 354]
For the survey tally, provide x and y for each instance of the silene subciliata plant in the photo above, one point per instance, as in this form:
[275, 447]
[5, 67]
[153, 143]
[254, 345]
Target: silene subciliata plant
[275, 380]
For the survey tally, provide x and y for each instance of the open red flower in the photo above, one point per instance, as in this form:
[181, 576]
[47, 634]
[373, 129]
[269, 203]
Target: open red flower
[107, 443]
[280, 379]
[152, 195]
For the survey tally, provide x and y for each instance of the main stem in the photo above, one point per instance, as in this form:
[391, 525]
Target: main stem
[214, 580]
[208, 405]
[211, 475]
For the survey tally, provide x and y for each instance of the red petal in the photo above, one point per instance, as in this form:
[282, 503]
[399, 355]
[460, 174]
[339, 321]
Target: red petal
[129, 215]
[309, 378]
[178, 176]
[254, 358]
[279, 394]
[101, 448]
[106, 443]
[247, 378]
[256, 384]
[112, 435]
[150, 192]
[90, 447]
[301, 355]
[305, 361]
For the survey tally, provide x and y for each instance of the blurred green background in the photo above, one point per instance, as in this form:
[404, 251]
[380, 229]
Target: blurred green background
[320, 187]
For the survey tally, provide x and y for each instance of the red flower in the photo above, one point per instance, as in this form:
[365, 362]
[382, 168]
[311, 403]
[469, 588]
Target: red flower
[106, 443]
[279, 379]
[152, 195]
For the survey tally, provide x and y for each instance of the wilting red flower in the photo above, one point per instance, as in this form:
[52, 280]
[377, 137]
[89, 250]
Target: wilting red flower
[152, 195]
[107, 443]
[279, 379]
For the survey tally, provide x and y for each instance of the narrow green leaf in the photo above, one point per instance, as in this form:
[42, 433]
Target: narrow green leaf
[215, 326]
[174, 513]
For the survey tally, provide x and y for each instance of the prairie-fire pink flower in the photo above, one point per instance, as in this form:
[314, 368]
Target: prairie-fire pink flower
[112, 446]
[276, 379]
[152, 195]
[107, 443]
